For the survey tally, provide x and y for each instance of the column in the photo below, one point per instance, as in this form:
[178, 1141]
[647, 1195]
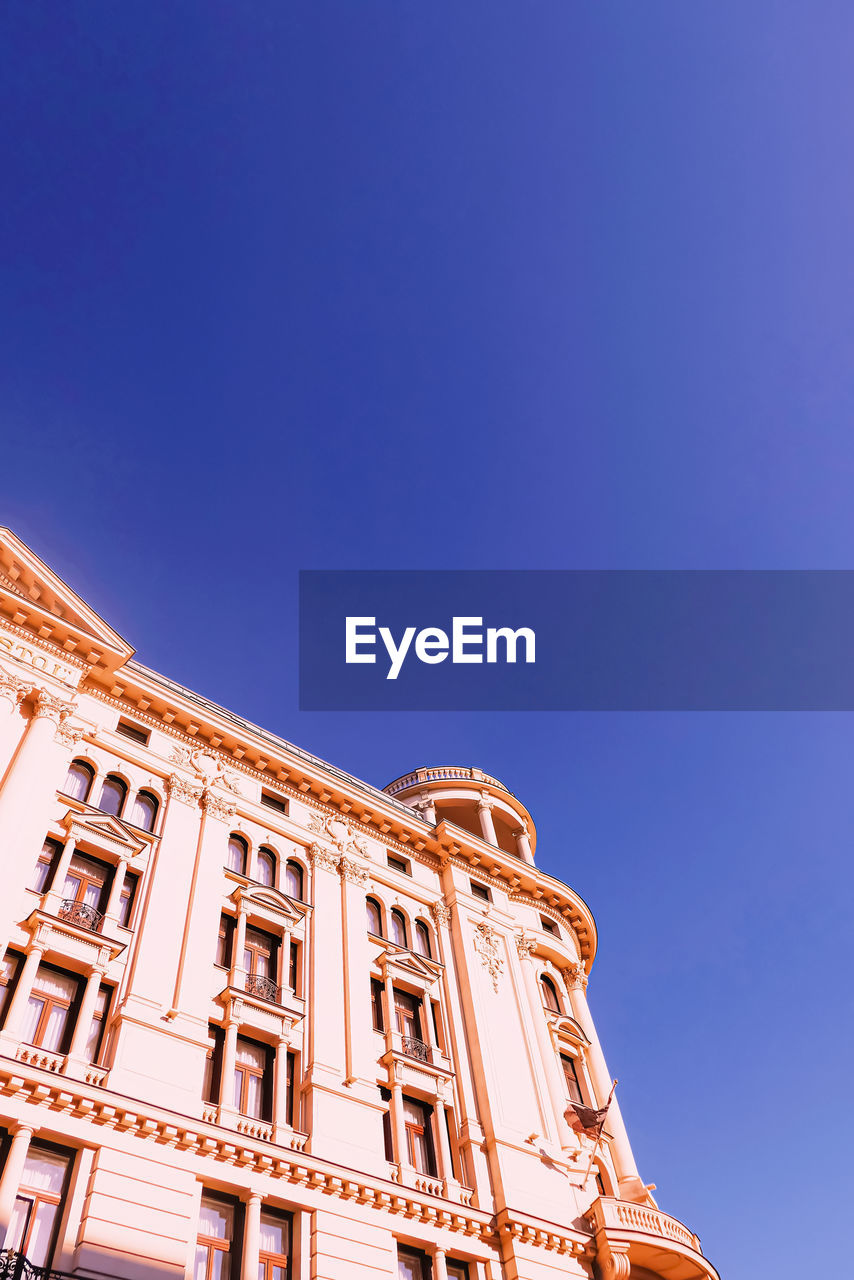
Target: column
[53, 898]
[554, 1082]
[29, 787]
[251, 1235]
[237, 976]
[280, 1086]
[15, 1015]
[84, 1017]
[12, 692]
[359, 1046]
[487, 826]
[229, 1056]
[523, 845]
[440, 1270]
[11, 1178]
[624, 1160]
[446, 1164]
[114, 902]
[426, 807]
[398, 1128]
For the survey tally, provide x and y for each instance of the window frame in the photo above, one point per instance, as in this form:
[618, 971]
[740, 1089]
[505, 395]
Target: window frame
[268, 1262]
[424, 1131]
[117, 781]
[246, 1072]
[85, 767]
[229, 1246]
[39, 1196]
[71, 1007]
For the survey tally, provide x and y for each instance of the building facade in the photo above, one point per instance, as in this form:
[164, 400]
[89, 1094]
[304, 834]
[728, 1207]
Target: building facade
[261, 1019]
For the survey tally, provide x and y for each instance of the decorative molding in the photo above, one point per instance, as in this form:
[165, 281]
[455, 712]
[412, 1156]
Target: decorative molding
[575, 977]
[441, 913]
[217, 807]
[352, 871]
[323, 859]
[339, 833]
[526, 945]
[13, 688]
[49, 707]
[488, 947]
[208, 767]
[69, 735]
[180, 789]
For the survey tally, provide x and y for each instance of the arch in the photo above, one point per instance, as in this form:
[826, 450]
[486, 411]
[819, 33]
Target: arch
[398, 930]
[265, 867]
[550, 995]
[114, 792]
[375, 917]
[78, 780]
[238, 854]
[144, 811]
[295, 880]
[423, 944]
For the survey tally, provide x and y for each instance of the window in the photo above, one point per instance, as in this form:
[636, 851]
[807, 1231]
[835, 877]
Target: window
[43, 872]
[213, 1064]
[377, 1004]
[48, 1016]
[133, 731]
[399, 864]
[95, 1036]
[550, 926]
[293, 881]
[291, 1065]
[78, 781]
[274, 802]
[113, 794]
[570, 1075]
[480, 890]
[413, 1265]
[407, 1014]
[398, 928]
[35, 1216]
[10, 967]
[388, 1143]
[375, 918]
[293, 968]
[259, 954]
[457, 1270]
[550, 994]
[144, 811]
[126, 899]
[84, 891]
[419, 1138]
[422, 939]
[252, 1079]
[238, 852]
[275, 1245]
[224, 941]
[265, 868]
[214, 1241]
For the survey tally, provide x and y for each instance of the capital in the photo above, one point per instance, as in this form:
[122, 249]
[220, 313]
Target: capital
[441, 913]
[49, 707]
[350, 870]
[182, 790]
[576, 978]
[12, 689]
[218, 807]
[322, 858]
[525, 946]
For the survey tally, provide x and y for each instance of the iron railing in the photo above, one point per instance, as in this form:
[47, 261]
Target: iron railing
[14, 1266]
[264, 988]
[415, 1048]
[80, 913]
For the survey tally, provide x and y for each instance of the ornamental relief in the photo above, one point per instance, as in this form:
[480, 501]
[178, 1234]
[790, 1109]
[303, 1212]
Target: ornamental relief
[353, 872]
[323, 859]
[339, 833]
[208, 768]
[488, 946]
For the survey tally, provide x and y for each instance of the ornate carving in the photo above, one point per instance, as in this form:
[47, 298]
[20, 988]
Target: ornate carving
[352, 871]
[324, 859]
[486, 801]
[218, 807]
[488, 948]
[339, 833]
[180, 789]
[207, 767]
[52, 708]
[69, 734]
[441, 913]
[575, 977]
[614, 1262]
[13, 688]
[525, 945]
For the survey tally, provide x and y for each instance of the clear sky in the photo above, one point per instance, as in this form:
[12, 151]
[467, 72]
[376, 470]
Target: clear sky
[482, 284]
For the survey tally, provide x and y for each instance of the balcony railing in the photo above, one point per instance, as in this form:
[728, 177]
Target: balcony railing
[79, 913]
[14, 1266]
[263, 988]
[415, 1048]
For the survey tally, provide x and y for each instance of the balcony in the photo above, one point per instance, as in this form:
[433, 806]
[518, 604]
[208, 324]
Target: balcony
[264, 988]
[14, 1266]
[648, 1238]
[81, 914]
[415, 1048]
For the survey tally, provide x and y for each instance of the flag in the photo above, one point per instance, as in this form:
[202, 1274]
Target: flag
[587, 1120]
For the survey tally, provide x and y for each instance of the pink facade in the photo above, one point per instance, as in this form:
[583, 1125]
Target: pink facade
[262, 1019]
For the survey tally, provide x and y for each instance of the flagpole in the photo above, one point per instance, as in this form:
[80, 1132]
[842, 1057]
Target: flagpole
[598, 1137]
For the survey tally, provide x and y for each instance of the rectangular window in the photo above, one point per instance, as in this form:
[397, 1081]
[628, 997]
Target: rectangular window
[417, 1118]
[224, 941]
[133, 731]
[86, 882]
[274, 802]
[480, 890]
[48, 1021]
[377, 1004]
[213, 1064]
[407, 1014]
[127, 898]
[550, 926]
[44, 868]
[291, 1082]
[95, 1037]
[457, 1270]
[293, 968]
[399, 864]
[252, 1078]
[38, 1205]
[10, 967]
[274, 1256]
[259, 954]
[570, 1075]
[215, 1243]
[412, 1264]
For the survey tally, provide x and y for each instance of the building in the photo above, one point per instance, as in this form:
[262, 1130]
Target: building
[262, 1019]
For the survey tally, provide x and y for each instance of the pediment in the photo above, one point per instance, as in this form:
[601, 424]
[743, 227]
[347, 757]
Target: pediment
[104, 831]
[36, 600]
[567, 1028]
[406, 964]
[265, 901]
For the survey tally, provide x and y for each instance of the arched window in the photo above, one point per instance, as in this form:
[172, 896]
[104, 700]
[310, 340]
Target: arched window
[113, 794]
[550, 994]
[238, 852]
[265, 867]
[375, 917]
[293, 881]
[422, 939]
[144, 812]
[78, 780]
[398, 928]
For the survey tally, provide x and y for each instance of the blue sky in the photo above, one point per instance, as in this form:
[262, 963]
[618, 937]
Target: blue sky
[380, 285]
